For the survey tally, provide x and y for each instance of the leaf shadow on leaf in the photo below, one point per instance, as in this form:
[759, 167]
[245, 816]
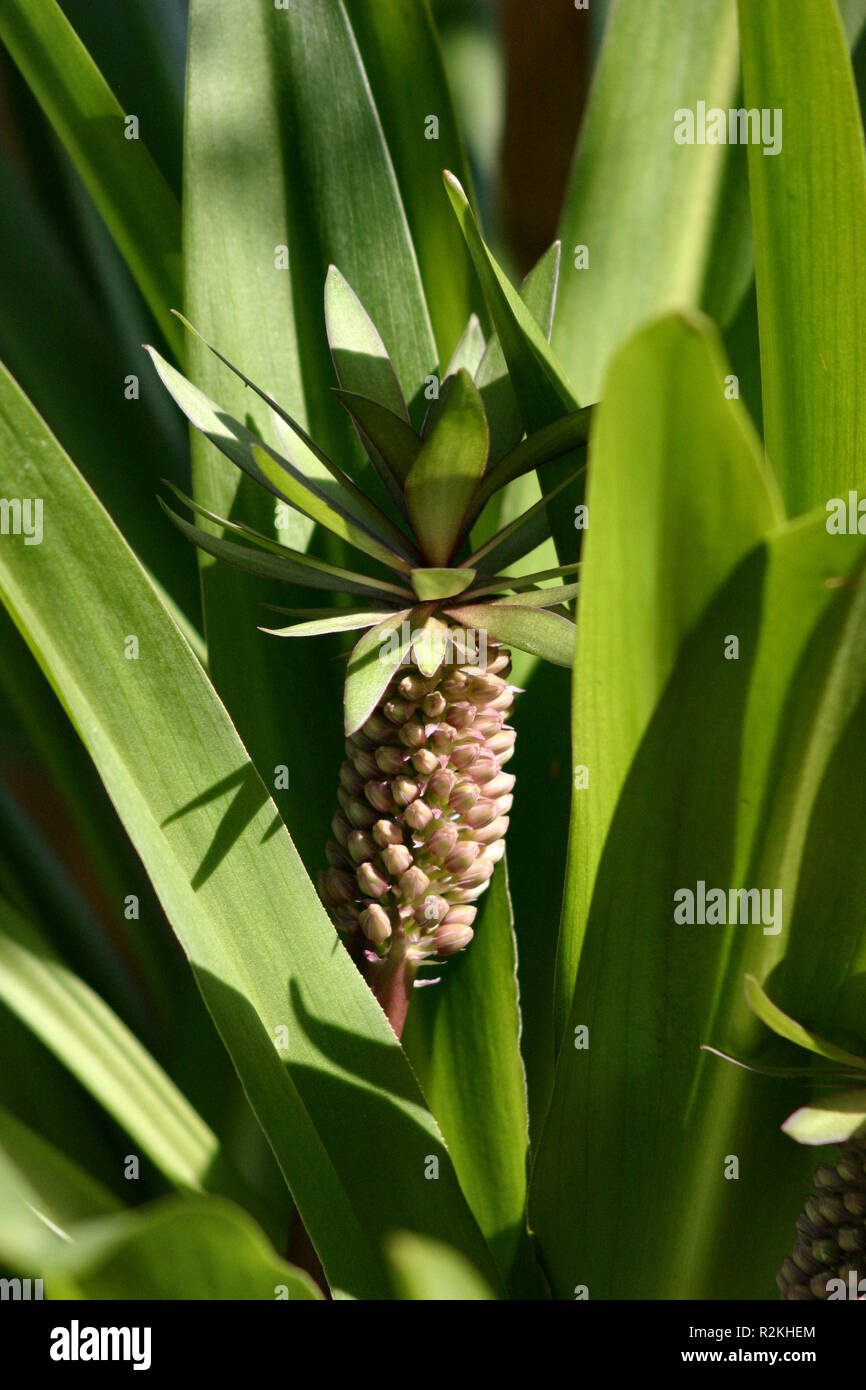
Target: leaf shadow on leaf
[638, 1120]
[250, 796]
[828, 985]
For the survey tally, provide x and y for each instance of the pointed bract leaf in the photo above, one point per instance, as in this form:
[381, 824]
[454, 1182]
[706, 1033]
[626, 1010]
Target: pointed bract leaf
[769, 1013]
[823, 1076]
[392, 438]
[429, 644]
[519, 582]
[292, 566]
[326, 500]
[540, 598]
[334, 516]
[338, 622]
[360, 357]
[441, 583]
[521, 535]
[544, 634]
[539, 380]
[371, 665]
[447, 471]
[538, 292]
[545, 445]
[469, 351]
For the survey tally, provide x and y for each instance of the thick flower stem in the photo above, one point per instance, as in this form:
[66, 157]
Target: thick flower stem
[391, 981]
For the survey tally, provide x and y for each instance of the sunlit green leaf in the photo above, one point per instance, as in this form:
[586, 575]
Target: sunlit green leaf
[447, 470]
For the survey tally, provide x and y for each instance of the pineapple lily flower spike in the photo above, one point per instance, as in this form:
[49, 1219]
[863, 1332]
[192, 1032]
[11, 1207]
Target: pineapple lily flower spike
[424, 793]
[828, 1260]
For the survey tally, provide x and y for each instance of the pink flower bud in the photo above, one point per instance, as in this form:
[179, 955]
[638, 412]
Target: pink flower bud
[418, 815]
[371, 883]
[387, 832]
[375, 923]
[413, 883]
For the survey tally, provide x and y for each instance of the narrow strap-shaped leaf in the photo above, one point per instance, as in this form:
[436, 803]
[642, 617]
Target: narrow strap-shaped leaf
[291, 566]
[393, 439]
[808, 202]
[640, 208]
[98, 1048]
[339, 622]
[335, 517]
[518, 582]
[372, 663]
[360, 357]
[447, 471]
[544, 446]
[664, 406]
[139, 208]
[539, 380]
[538, 292]
[370, 515]
[543, 634]
[338, 513]
[541, 598]
[788, 1028]
[520, 536]
[463, 1040]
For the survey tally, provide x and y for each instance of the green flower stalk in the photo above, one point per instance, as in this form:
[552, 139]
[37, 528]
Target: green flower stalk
[424, 793]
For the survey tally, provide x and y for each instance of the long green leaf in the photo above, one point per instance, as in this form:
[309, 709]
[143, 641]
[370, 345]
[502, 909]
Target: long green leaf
[642, 205]
[105, 1057]
[67, 1192]
[178, 1248]
[320, 1065]
[635, 1088]
[808, 210]
[462, 1037]
[663, 533]
[136, 203]
[403, 62]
